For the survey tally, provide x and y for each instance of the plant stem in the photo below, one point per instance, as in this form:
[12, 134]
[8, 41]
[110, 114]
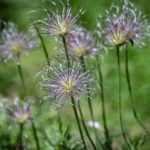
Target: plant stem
[20, 72]
[89, 99]
[43, 45]
[120, 105]
[130, 91]
[59, 122]
[85, 128]
[21, 147]
[66, 50]
[35, 136]
[78, 122]
[107, 136]
[88, 95]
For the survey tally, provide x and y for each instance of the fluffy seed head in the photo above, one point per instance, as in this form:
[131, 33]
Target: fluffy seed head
[58, 23]
[15, 43]
[123, 24]
[61, 83]
[19, 111]
[80, 43]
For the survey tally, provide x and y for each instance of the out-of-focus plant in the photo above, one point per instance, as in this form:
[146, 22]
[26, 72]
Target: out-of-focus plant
[14, 43]
[80, 43]
[21, 113]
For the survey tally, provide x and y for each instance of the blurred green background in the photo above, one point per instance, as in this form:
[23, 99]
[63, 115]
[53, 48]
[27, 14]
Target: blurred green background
[16, 11]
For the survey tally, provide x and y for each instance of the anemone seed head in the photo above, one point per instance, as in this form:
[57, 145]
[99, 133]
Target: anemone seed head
[21, 113]
[62, 83]
[18, 110]
[124, 24]
[15, 43]
[58, 23]
[80, 43]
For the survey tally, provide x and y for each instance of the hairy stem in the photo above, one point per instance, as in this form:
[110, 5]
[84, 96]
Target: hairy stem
[20, 72]
[21, 146]
[130, 92]
[43, 45]
[85, 128]
[35, 136]
[88, 95]
[66, 50]
[119, 103]
[59, 122]
[78, 122]
[107, 136]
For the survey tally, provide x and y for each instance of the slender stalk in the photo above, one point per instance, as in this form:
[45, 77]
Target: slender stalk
[88, 95]
[35, 136]
[130, 92]
[21, 147]
[66, 50]
[78, 122]
[59, 122]
[20, 72]
[89, 99]
[85, 128]
[119, 103]
[107, 136]
[43, 45]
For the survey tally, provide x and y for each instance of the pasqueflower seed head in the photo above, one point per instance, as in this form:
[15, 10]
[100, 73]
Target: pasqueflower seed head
[80, 43]
[123, 24]
[62, 83]
[18, 110]
[58, 23]
[21, 113]
[15, 43]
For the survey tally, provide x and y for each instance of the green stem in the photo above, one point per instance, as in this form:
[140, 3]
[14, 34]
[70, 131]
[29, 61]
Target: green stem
[59, 122]
[78, 122]
[107, 136]
[120, 105]
[88, 95]
[35, 136]
[66, 50]
[85, 128]
[20, 72]
[21, 147]
[43, 45]
[130, 92]
[89, 99]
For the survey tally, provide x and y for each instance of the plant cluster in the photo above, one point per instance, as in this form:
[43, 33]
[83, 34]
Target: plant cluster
[68, 77]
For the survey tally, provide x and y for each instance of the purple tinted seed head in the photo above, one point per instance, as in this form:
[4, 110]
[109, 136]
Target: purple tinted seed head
[58, 23]
[21, 113]
[80, 43]
[61, 83]
[15, 43]
[18, 110]
[122, 25]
